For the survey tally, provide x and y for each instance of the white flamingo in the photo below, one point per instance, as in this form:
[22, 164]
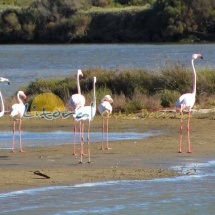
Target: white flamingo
[18, 110]
[105, 109]
[86, 113]
[187, 101]
[2, 101]
[77, 101]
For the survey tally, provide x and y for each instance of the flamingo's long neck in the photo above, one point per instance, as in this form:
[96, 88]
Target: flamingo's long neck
[94, 93]
[78, 84]
[18, 98]
[194, 78]
[93, 105]
[2, 105]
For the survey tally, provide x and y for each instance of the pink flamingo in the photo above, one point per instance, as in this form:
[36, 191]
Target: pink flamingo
[105, 109]
[2, 101]
[77, 101]
[86, 113]
[187, 101]
[18, 110]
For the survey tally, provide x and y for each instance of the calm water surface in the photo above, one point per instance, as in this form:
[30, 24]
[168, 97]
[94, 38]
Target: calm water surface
[191, 194]
[24, 63]
[65, 137]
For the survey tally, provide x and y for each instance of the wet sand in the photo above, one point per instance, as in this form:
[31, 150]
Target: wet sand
[131, 159]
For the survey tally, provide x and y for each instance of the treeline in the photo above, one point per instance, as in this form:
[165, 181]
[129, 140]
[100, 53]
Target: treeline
[132, 89]
[74, 21]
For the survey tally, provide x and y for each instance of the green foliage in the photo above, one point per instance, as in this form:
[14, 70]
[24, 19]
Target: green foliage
[100, 92]
[69, 21]
[177, 18]
[210, 101]
[45, 20]
[14, 4]
[174, 77]
[132, 106]
[132, 90]
[133, 2]
[206, 82]
[168, 97]
[79, 24]
[102, 3]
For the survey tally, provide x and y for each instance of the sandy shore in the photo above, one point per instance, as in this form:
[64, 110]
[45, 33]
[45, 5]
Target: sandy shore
[131, 159]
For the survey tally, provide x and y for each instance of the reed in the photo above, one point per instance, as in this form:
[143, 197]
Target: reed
[133, 89]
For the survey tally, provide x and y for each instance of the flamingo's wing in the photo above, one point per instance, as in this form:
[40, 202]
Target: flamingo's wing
[77, 101]
[83, 113]
[17, 109]
[105, 107]
[186, 101]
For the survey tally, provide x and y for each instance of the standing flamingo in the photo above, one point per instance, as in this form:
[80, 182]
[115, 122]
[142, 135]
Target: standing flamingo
[105, 109]
[77, 101]
[86, 113]
[18, 110]
[187, 101]
[2, 101]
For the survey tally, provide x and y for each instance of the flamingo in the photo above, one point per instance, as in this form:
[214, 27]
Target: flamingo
[18, 110]
[2, 102]
[105, 109]
[187, 101]
[83, 114]
[77, 101]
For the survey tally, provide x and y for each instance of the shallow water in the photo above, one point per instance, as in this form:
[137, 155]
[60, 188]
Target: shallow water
[64, 137]
[192, 193]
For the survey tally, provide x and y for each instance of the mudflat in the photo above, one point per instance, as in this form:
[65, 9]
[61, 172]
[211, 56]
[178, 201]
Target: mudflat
[128, 159]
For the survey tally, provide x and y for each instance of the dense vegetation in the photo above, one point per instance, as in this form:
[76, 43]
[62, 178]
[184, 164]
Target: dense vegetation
[72, 21]
[133, 90]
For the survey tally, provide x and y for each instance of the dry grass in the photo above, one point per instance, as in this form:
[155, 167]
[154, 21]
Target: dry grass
[101, 10]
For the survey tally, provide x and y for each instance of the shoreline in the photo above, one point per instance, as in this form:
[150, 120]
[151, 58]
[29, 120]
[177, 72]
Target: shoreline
[127, 160]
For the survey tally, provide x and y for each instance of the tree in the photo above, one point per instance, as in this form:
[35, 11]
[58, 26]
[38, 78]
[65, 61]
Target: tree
[175, 18]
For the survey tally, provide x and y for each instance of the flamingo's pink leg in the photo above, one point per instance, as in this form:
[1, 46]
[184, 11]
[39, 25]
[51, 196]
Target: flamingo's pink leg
[84, 154]
[180, 130]
[20, 136]
[14, 128]
[188, 133]
[74, 143]
[81, 142]
[102, 147]
[107, 133]
[88, 142]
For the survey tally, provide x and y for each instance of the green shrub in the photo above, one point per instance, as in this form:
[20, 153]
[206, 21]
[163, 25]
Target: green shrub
[102, 91]
[101, 3]
[174, 77]
[78, 25]
[210, 101]
[131, 89]
[206, 81]
[168, 97]
[132, 106]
